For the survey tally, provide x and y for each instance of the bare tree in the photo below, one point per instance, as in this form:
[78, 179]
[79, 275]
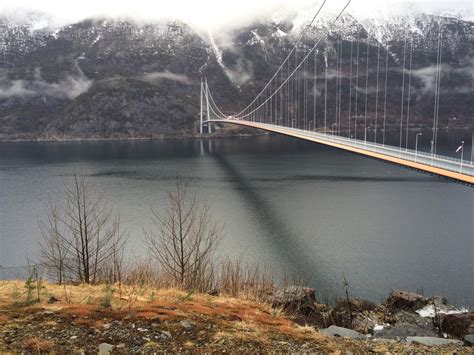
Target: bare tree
[82, 237]
[185, 239]
[53, 248]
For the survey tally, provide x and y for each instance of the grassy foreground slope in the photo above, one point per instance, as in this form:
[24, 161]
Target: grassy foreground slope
[76, 319]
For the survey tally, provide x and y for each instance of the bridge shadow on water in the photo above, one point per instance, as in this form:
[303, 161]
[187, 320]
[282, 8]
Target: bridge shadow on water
[284, 242]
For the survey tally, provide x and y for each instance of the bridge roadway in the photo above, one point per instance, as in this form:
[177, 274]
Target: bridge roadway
[438, 165]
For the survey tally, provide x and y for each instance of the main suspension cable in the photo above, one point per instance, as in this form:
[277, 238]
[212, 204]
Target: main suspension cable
[286, 59]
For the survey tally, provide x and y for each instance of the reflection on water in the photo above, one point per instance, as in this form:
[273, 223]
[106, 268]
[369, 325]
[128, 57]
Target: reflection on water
[297, 207]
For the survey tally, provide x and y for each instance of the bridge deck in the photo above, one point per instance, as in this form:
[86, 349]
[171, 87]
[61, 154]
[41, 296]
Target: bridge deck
[443, 166]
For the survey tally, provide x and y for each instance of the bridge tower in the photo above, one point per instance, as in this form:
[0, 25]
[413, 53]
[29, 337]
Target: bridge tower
[204, 107]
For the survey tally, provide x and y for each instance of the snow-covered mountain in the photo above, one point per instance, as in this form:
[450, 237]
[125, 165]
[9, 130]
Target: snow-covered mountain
[122, 78]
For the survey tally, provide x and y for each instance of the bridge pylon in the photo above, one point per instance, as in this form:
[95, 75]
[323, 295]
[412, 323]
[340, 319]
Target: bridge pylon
[201, 112]
[205, 107]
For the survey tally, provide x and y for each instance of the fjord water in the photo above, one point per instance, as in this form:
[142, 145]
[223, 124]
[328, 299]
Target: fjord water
[297, 207]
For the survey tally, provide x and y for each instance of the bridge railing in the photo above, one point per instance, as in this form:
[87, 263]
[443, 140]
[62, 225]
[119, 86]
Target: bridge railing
[435, 160]
[441, 161]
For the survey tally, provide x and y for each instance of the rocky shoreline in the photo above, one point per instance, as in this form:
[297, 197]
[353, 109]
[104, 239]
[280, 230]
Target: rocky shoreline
[403, 317]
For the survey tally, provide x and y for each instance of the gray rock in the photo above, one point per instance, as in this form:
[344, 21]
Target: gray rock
[458, 325]
[469, 340]
[286, 294]
[294, 299]
[187, 324]
[432, 341]
[341, 332]
[403, 300]
[105, 349]
[165, 335]
[402, 330]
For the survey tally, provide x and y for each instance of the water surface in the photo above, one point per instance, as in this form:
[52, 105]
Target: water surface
[298, 207]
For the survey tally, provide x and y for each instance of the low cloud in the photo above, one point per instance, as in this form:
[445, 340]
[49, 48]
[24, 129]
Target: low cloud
[156, 77]
[14, 88]
[427, 75]
[69, 88]
[240, 72]
[219, 15]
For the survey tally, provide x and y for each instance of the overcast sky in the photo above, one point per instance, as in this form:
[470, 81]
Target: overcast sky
[219, 14]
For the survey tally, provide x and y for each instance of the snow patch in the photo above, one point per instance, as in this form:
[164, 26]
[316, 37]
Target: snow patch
[429, 311]
[256, 39]
[216, 50]
[378, 327]
[280, 33]
[96, 39]
[39, 24]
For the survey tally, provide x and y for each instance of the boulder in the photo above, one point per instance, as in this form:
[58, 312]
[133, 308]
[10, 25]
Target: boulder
[356, 305]
[365, 314]
[341, 332]
[403, 300]
[300, 303]
[403, 330]
[469, 340]
[294, 298]
[413, 318]
[432, 341]
[458, 325]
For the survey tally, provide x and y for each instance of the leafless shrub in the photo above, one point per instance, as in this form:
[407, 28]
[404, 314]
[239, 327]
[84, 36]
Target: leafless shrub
[237, 280]
[184, 240]
[142, 271]
[82, 239]
[53, 248]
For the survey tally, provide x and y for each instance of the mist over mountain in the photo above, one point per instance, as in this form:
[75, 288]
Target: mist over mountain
[111, 78]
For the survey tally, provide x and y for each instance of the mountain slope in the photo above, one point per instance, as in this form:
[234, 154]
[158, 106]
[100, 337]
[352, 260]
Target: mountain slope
[121, 78]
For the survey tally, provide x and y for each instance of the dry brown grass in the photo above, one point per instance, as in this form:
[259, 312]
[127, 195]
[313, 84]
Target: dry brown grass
[237, 323]
[37, 345]
[243, 319]
[3, 318]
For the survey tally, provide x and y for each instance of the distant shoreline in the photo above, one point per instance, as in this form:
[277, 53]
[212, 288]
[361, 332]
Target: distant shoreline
[165, 137]
[78, 140]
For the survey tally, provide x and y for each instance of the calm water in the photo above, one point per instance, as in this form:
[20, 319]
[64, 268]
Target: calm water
[298, 207]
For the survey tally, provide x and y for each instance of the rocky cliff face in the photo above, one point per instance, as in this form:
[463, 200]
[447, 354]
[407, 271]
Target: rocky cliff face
[110, 78]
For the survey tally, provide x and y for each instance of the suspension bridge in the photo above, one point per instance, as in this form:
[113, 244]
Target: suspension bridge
[294, 102]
